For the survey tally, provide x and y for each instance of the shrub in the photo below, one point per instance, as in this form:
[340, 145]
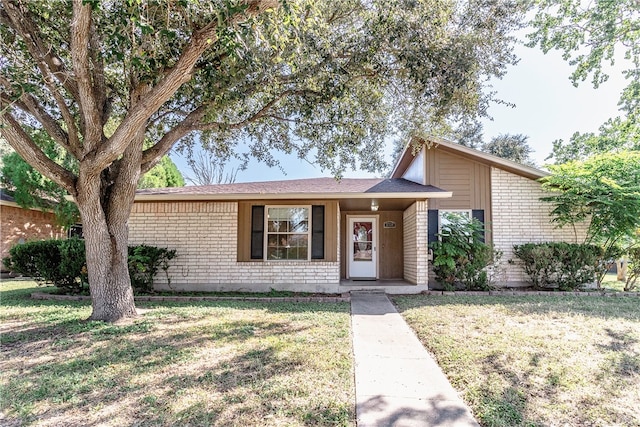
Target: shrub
[62, 263]
[144, 262]
[460, 257]
[566, 266]
[59, 262]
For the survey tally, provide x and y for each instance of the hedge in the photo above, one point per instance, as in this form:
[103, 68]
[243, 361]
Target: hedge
[62, 263]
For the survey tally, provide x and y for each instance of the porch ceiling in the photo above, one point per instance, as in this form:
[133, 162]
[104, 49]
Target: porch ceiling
[383, 204]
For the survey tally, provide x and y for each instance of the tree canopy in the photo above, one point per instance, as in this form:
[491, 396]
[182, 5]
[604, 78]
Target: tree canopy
[31, 189]
[591, 36]
[326, 80]
[603, 190]
[619, 134]
[588, 34]
[512, 147]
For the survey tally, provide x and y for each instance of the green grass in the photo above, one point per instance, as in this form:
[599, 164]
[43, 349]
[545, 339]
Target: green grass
[536, 361]
[204, 363]
[611, 283]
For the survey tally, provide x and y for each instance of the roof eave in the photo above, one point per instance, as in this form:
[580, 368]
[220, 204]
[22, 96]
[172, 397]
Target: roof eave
[290, 196]
[499, 162]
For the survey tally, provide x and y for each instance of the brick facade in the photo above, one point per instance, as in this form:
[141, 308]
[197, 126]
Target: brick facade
[205, 236]
[19, 225]
[415, 244]
[520, 217]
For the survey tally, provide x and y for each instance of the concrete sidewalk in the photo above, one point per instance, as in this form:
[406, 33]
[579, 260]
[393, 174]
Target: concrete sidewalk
[398, 383]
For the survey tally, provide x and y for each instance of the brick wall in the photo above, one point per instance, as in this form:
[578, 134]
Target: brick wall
[520, 217]
[20, 225]
[205, 235]
[415, 244]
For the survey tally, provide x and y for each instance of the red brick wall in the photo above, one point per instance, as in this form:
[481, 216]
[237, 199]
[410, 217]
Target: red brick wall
[17, 224]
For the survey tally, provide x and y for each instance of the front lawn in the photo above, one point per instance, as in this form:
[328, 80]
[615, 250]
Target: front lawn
[204, 363]
[536, 361]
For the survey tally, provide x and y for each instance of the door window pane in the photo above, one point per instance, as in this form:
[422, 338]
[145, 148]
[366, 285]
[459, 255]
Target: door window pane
[362, 241]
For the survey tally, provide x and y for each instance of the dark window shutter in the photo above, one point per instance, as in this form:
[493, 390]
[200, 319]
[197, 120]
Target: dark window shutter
[257, 232]
[317, 232]
[479, 215]
[432, 219]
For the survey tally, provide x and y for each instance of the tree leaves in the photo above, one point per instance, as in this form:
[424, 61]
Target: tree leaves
[588, 35]
[604, 190]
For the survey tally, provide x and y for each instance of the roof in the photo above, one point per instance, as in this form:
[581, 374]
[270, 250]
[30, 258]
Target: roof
[432, 141]
[329, 188]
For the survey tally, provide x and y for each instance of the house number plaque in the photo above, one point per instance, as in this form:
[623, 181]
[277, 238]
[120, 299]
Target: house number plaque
[389, 224]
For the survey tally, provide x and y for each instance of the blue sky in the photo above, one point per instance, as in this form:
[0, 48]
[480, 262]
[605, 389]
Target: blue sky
[547, 107]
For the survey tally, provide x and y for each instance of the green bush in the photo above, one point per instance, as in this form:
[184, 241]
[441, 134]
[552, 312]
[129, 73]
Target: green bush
[62, 263]
[144, 262]
[566, 266]
[59, 262]
[460, 257]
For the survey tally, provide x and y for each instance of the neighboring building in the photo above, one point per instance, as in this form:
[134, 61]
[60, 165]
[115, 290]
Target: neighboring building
[323, 235]
[18, 225]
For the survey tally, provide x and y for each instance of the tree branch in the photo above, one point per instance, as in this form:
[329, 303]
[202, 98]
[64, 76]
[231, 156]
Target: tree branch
[32, 154]
[181, 73]
[20, 20]
[23, 24]
[193, 122]
[89, 111]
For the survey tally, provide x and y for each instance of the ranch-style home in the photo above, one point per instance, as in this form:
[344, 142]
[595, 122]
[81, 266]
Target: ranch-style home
[323, 235]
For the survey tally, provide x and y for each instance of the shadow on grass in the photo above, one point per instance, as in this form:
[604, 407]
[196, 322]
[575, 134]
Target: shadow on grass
[610, 308]
[75, 366]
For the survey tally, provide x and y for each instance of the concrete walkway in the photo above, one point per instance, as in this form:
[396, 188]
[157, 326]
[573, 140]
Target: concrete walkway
[398, 383]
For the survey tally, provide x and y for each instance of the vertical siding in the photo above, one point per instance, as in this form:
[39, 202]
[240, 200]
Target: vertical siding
[470, 182]
[390, 246]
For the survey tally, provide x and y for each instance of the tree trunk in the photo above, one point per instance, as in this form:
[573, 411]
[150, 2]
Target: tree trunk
[621, 269]
[106, 240]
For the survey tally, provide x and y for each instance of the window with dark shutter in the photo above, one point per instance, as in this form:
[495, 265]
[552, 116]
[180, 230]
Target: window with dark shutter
[257, 232]
[317, 232]
[479, 215]
[432, 224]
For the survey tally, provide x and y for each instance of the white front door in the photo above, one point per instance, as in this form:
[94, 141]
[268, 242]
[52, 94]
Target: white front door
[362, 242]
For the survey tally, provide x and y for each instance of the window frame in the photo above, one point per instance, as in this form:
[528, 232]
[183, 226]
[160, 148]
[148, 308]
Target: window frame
[308, 233]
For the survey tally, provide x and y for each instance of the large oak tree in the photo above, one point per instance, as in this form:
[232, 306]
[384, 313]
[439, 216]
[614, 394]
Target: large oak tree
[327, 80]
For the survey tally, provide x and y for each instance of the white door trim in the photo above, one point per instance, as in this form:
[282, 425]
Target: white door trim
[375, 219]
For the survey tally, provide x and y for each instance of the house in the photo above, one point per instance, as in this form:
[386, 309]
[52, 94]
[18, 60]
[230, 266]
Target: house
[323, 235]
[19, 225]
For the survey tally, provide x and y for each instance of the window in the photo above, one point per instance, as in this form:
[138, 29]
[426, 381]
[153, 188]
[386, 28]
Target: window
[288, 233]
[445, 215]
[75, 231]
[435, 220]
[280, 232]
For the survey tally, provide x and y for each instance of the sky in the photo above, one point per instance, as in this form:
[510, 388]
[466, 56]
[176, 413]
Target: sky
[547, 107]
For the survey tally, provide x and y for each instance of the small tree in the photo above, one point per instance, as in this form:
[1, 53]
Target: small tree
[207, 169]
[603, 191]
